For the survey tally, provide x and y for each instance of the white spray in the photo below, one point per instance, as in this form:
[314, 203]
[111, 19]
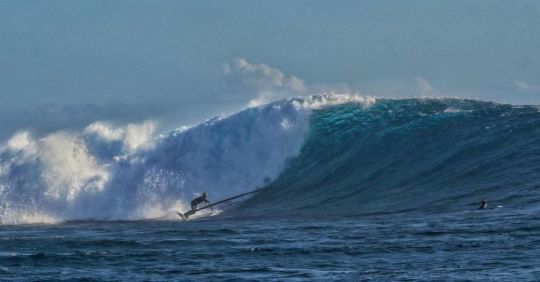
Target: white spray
[110, 173]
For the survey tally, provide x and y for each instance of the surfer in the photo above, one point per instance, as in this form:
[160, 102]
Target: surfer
[483, 205]
[204, 199]
[201, 199]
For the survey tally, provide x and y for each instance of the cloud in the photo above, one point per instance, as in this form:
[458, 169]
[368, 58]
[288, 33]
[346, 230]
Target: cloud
[524, 86]
[265, 82]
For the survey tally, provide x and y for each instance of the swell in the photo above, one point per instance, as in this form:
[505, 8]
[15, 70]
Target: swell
[409, 155]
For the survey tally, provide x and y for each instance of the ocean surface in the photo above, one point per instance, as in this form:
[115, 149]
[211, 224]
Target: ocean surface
[469, 245]
[357, 188]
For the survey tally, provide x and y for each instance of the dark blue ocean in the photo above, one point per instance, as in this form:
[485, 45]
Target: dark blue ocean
[470, 245]
[356, 189]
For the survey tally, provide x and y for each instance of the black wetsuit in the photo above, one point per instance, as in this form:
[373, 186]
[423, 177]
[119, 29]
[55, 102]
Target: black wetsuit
[198, 200]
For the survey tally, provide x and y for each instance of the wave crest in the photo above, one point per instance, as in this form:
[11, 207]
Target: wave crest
[114, 172]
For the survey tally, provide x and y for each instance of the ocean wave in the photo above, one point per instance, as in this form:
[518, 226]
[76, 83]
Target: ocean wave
[409, 155]
[109, 172]
[320, 155]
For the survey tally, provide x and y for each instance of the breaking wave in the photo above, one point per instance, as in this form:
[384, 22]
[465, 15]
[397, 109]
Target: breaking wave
[111, 172]
[320, 155]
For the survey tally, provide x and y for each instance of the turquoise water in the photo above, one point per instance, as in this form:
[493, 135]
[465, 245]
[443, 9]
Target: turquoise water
[410, 155]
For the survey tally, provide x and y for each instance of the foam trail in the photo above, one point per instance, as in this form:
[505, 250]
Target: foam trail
[114, 172]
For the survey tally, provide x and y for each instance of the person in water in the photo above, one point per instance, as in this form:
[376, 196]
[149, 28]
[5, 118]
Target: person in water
[483, 205]
[201, 199]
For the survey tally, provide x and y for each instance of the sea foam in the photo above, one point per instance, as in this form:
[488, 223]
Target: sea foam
[109, 172]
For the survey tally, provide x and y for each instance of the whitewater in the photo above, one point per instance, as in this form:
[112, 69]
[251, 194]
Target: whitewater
[357, 188]
[110, 172]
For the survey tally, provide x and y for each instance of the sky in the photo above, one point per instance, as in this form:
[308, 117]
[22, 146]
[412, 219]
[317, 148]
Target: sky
[66, 64]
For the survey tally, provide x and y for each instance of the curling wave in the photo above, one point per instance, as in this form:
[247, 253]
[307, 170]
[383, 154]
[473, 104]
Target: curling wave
[409, 155]
[108, 172]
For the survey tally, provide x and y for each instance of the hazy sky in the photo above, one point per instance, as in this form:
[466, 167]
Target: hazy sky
[64, 64]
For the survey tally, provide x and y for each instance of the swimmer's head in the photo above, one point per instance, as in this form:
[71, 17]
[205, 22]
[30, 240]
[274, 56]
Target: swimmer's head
[483, 204]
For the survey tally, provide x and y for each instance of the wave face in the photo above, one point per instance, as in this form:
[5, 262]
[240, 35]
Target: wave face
[412, 154]
[125, 173]
[320, 155]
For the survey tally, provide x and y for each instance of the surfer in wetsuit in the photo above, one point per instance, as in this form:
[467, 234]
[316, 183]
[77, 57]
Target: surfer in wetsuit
[483, 205]
[201, 199]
